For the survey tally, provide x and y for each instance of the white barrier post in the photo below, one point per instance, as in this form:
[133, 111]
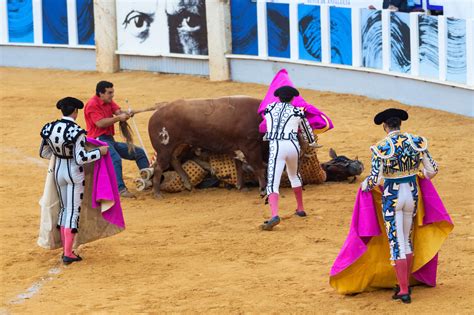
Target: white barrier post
[325, 35]
[414, 44]
[442, 46]
[262, 28]
[3, 22]
[470, 51]
[218, 39]
[105, 36]
[386, 40]
[38, 21]
[72, 23]
[356, 38]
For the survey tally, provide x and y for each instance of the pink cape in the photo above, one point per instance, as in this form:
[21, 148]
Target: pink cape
[104, 188]
[353, 272]
[319, 121]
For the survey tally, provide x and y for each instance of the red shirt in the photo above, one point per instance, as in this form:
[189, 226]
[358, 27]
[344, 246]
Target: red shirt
[96, 110]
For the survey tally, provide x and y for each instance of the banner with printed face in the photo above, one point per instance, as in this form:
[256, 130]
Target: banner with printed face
[153, 27]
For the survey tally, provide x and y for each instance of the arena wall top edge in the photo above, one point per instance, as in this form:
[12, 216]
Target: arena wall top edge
[414, 58]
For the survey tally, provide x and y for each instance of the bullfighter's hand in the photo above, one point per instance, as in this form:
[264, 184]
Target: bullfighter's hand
[103, 150]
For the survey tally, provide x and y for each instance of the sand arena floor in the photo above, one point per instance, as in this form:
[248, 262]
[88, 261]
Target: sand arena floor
[202, 251]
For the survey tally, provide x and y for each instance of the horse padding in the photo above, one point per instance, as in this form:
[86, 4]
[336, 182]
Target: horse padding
[173, 183]
[310, 170]
[224, 168]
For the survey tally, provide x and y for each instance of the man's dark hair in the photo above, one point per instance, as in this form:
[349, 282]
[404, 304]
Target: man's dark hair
[285, 98]
[67, 109]
[101, 86]
[393, 123]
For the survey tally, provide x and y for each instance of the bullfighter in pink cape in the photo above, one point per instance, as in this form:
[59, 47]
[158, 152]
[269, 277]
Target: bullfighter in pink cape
[318, 121]
[286, 113]
[407, 206]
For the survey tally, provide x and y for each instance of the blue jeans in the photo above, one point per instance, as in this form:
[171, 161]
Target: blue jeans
[119, 151]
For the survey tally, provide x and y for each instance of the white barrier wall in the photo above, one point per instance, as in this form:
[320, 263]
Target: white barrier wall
[336, 48]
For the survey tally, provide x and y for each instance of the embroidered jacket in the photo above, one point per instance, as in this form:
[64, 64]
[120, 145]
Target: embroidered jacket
[66, 140]
[399, 155]
[283, 122]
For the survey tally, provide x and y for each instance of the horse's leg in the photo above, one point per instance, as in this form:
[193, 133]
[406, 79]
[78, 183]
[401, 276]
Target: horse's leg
[254, 159]
[240, 176]
[157, 181]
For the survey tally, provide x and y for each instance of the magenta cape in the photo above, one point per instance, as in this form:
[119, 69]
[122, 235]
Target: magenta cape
[363, 262]
[104, 189]
[319, 121]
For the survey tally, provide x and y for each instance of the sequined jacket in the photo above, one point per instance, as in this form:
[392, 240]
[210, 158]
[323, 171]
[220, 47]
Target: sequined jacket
[399, 155]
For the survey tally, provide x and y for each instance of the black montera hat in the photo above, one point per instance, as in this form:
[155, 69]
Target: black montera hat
[286, 91]
[389, 113]
[71, 101]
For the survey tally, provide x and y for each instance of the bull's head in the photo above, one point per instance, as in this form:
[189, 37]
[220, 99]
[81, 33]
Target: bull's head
[341, 168]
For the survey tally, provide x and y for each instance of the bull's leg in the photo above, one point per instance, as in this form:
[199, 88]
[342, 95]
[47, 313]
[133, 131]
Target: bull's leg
[157, 181]
[176, 164]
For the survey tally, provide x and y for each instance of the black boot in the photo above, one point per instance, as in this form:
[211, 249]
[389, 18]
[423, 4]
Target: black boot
[405, 298]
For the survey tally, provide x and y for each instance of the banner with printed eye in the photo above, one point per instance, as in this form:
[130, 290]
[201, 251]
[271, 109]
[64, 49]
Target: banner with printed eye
[400, 42]
[341, 35]
[162, 26]
[85, 21]
[371, 33]
[244, 27]
[138, 29]
[20, 21]
[55, 29]
[309, 30]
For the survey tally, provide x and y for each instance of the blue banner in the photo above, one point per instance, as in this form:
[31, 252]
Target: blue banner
[309, 30]
[85, 21]
[20, 21]
[278, 25]
[244, 27]
[55, 29]
[341, 35]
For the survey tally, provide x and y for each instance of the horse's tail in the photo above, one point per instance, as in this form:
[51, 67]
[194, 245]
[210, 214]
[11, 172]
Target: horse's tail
[127, 134]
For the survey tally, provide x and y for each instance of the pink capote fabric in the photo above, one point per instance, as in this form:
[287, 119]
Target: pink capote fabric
[364, 226]
[313, 114]
[105, 187]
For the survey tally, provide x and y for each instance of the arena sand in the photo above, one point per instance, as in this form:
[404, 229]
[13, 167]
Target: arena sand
[202, 251]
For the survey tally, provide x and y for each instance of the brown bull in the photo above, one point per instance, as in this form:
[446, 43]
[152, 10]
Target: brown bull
[224, 125]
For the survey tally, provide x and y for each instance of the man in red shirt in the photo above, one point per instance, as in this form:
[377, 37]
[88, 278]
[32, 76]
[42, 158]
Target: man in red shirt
[101, 113]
